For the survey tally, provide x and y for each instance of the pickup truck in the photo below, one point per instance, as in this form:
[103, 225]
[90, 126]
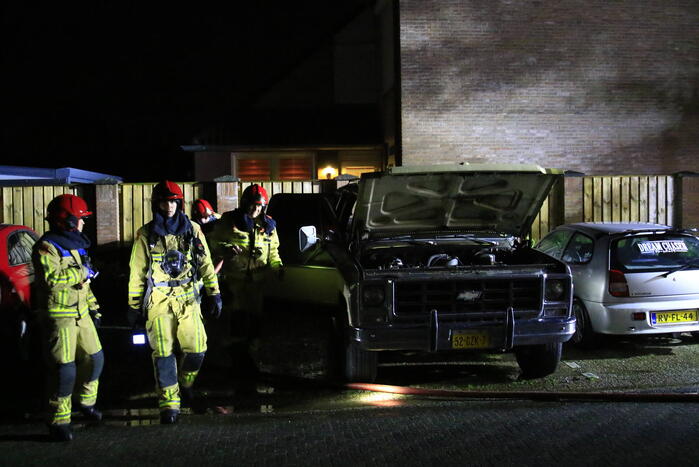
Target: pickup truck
[427, 259]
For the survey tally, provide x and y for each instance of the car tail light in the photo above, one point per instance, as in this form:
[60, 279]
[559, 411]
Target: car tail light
[618, 287]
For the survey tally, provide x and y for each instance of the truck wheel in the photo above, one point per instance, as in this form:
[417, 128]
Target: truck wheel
[537, 361]
[584, 336]
[360, 365]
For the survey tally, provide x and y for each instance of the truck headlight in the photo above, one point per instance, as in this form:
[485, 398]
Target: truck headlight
[555, 289]
[373, 295]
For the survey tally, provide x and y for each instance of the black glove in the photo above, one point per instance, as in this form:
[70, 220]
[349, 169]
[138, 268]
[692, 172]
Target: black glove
[215, 305]
[96, 317]
[280, 273]
[135, 318]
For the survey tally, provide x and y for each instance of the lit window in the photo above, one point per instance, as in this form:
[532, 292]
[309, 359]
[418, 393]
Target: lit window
[327, 173]
[254, 169]
[297, 168]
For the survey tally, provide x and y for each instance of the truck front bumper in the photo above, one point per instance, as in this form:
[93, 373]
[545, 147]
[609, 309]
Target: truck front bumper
[439, 335]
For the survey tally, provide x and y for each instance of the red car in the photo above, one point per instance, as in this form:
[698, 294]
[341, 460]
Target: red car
[16, 270]
[19, 341]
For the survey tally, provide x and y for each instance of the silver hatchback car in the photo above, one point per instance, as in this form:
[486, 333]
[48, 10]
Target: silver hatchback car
[629, 278]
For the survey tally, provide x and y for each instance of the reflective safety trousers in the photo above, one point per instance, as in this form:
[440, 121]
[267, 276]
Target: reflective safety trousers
[147, 274]
[61, 287]
[75, 354]
[172, 324]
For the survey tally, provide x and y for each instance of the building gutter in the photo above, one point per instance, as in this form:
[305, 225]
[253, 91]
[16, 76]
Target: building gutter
[235, 148]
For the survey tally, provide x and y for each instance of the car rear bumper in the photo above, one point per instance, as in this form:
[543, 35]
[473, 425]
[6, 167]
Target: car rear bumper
[618, 318]
[439, 336]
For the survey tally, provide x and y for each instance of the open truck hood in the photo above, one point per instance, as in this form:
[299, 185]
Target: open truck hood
[474, 198]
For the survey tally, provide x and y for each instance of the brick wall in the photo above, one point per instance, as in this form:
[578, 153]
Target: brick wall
[689, 207]
[107, 214]
[598, 86]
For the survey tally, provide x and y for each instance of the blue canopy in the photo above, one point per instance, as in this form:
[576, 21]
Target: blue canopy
[14, 175]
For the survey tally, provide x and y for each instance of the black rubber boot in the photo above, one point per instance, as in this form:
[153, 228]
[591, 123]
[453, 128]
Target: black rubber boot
[61, 433]
[91, 413]
[187, 394]
[195, 400]
[169, 417]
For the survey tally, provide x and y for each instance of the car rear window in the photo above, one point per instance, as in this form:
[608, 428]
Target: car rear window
[654, 252]
[19, 247]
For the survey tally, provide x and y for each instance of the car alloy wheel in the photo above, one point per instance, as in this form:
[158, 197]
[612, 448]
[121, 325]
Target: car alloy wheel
[584, 335]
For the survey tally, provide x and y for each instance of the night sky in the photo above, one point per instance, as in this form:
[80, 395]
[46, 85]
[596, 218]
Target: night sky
[118, 88]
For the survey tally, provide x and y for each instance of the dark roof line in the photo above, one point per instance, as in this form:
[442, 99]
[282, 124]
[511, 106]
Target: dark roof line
[11, 175]
[267, 148]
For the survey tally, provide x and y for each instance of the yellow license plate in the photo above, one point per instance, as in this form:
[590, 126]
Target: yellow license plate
[669, 317]
[470, 340]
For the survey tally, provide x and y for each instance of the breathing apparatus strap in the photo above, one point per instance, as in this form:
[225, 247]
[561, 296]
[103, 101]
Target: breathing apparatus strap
[81, 251]
[173, 283]
[269, 252]
[251, 250]
[194, 244]
[152, 241]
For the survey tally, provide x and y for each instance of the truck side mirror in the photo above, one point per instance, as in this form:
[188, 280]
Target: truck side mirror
[307, 237]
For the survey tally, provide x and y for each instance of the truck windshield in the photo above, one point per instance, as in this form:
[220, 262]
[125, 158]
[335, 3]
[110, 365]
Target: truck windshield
[655, 253]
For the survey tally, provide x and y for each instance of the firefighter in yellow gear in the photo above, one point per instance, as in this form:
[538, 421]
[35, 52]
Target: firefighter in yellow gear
[169, 259]
[247, 242]
[68, 313]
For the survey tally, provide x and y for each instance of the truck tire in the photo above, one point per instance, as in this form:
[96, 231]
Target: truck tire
[537, 361]
[360, 364]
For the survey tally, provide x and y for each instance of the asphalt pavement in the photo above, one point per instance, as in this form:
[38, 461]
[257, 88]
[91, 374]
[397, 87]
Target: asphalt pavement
[423, 432]
[301, 420]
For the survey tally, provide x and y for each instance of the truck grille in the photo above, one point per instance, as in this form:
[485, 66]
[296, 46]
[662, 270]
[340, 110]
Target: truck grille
[473, 300]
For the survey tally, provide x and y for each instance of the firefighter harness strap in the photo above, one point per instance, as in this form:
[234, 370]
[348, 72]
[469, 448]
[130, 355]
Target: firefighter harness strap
[173, 283]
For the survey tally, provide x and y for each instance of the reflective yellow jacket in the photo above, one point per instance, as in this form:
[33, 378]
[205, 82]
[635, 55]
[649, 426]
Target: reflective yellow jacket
[62, 288]
[259, 245]
[147, 279]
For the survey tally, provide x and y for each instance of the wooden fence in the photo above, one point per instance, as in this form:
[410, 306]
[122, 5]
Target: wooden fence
[135, 200]
[135, 204]
[632, 198]
[26, 205]
[621, 198]
[628, 198]
[273, 187]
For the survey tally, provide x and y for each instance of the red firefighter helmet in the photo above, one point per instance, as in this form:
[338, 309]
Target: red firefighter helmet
[167, 191]
[202, 208]
[254, 194]
[65, 210]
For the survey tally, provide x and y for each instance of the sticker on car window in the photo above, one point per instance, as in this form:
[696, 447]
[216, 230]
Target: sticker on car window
[662, 246]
